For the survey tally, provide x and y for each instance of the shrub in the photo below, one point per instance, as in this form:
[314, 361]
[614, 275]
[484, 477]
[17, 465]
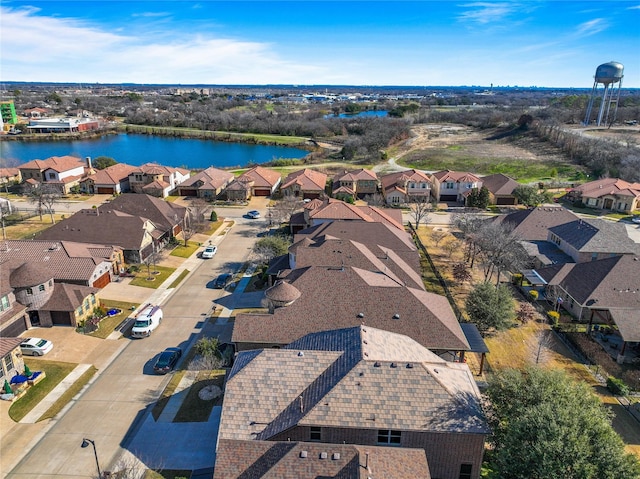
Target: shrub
[214, 216]
[517, 279]
[617, 386]
[554, 316]
[533, 294]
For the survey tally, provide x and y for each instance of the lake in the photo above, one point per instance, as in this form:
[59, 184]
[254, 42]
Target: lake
[366, 113]
[139, 149]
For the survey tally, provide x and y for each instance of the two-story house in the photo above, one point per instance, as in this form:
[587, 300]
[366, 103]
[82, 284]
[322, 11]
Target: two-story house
[355, 183]
[64, 172]
[406, 186]
[454, 185]
[157, 180]
[256, 181]
[111, 180]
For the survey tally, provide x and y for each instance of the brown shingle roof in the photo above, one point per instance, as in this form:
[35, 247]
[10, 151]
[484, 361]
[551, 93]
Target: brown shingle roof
[7, 345]
[112, 175]
[163, 214]
[236, 459]
[334, 297]
[534, 224]
[67, 297]
[499, 184]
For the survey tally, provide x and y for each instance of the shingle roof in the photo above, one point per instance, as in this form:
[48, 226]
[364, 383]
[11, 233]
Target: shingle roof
[534, 224]
[499, 184]
[60, 260]
[605, 283]
[307, 179]
[356, 175]
[111, 227]
[282, 291]
[594, 235]
[391, 180]
[163, 214]
[112, 175]
[67, 297]
[8, 344]
[334, 297]
[339, 210]
[236, 459]
[628, 322]
[211, 178]
[261, 177]
[608, 186]
[348, 378]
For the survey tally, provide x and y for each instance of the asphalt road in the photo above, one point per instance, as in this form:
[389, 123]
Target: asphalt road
[112, 408]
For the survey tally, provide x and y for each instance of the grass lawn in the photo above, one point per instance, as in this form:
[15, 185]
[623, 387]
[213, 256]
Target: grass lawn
[28, 228]
[142, 278]
[168, 474]
[179, 279]
[183, 251]
[56, 371]
[108, 324]
[194, 409]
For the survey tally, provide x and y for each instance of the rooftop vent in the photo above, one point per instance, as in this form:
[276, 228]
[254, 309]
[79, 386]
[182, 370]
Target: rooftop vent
[303, 454]
[394, 365]
[376, 364]
[396, 316]
[361, 315]
[323, 455]
[335, 456]
[300, 353]
[409, 366]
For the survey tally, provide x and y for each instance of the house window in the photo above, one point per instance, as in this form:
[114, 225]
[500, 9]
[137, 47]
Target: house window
[4, 303]
[50, 282]
[449, 185]
[8, 361]
[52, 176]
[594, 256]
[29, 291]
[41, 287]
[465, 471]
[388, 436]
[315, 434]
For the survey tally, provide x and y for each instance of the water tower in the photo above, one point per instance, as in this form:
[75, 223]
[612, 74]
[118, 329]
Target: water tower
[607, 74]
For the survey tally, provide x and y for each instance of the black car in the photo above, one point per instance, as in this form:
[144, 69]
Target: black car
[223, 280]
[167, 360]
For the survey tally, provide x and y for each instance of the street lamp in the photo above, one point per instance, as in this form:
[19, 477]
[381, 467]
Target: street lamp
[85, 443]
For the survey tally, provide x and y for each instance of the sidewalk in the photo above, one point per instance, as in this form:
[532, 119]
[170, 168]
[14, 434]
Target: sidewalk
[28, 430]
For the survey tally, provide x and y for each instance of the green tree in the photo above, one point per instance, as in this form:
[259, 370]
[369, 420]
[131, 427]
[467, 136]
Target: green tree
[527, 195]
[268, 248]
[102, 162]
[54, 97]
[490, 307]
[548, 426]
[479, 198]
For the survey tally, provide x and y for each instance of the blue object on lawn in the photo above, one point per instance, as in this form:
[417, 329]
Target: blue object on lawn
[112, 312]
[18, 379]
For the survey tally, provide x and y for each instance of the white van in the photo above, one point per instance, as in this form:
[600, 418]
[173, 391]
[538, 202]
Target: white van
[146, 321]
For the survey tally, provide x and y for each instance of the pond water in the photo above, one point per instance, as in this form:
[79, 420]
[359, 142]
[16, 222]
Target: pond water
[139, 149]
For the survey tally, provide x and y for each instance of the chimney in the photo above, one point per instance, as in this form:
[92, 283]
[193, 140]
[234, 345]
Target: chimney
[88, 158]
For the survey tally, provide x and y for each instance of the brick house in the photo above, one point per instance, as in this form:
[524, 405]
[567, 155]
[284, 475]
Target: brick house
[257, 181]
[157, 180]
[359, 385]
[64, 172]
[454, 185]
[355, 183]
[608, 194]
[405, 186]
[500, 189]
[112, 180]
[305, 184]
[207, 184]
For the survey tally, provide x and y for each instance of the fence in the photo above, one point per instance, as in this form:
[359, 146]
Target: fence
[441, 280]
[19, 215]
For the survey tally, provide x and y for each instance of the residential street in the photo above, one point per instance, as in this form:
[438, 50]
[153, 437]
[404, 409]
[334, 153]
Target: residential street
[112, 409]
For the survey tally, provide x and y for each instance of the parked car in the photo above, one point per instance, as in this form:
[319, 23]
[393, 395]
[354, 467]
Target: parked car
[167, 360]
[35, 346]
[636, 219]
[223, 280]
[209, 252]
[253, 214]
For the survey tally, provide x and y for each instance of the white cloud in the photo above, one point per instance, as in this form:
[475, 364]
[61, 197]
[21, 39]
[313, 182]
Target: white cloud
[486, 12]
[592, 27]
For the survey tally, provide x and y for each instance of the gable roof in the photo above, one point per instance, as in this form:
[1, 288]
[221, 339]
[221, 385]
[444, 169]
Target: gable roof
[356, 175]
[211, 178]
[344, 378]
[261, 177]
[499, 184]
[112, 175]
[601, 284]
[163, 214]
[455, 176]
[56, 163]
[340, 210]
[62, 261]
[373, 298]
[608, 186]
[236, 459]
[598, 236]
[533, 224]
[392, 179]
[67, 297]
[157, 169]
[9, 344]
[307, 179]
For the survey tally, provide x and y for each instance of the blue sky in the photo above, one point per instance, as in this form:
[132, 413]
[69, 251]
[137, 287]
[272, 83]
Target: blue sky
[431, 43]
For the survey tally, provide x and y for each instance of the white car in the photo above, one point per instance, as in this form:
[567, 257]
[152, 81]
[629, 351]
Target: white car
[209, 252]
[636, 219]
[253, 214]
[35, 346]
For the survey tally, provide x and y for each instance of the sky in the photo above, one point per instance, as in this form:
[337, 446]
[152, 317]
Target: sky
[414, 43]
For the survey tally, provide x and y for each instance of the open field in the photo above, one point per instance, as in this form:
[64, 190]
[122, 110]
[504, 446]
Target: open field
[462, 148]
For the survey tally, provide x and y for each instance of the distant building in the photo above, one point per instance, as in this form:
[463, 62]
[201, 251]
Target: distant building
[59, 125]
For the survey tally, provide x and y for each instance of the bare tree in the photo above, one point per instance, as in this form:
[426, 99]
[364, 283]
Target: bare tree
[283, 209]
[198, 211]
[419, 211]
[451, 246]
[375, 199]
[526, 312]
[461, 272]
[437, 235]
[44, 196]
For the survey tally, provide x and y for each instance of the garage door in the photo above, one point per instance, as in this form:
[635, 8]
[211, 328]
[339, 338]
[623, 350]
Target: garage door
[187, 192]
[505, 201]
[105, 190]
[262, 192]
[13, 330]
[102, 281]
[448, 198]
[61, 318]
